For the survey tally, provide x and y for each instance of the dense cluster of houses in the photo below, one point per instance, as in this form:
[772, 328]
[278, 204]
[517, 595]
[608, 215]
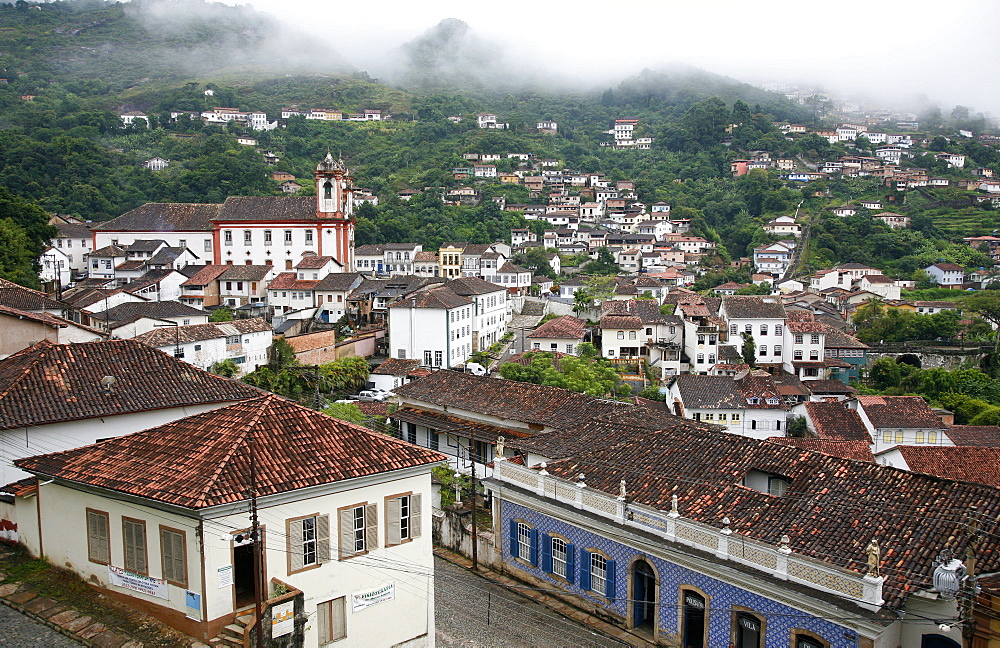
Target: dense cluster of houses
[763, 502]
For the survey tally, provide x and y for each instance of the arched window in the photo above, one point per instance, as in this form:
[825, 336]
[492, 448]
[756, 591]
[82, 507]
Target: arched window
[328, 190]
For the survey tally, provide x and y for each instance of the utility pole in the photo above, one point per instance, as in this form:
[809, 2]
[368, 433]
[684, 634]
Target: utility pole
[969, 583]
[258, 553]
[475, 526]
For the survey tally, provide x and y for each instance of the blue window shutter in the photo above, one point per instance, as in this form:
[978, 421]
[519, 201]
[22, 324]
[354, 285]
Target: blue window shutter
[533, 543]
[612, 590]
[513, 538]
[570, 562]
[584, 569]
[546, 553]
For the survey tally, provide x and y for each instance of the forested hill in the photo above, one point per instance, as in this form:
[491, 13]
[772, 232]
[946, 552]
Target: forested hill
[95, 48]
[68, 70]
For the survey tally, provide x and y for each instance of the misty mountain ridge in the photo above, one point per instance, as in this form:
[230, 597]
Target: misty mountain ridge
[121, 45]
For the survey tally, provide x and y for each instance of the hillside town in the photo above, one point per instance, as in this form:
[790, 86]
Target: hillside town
[738, 484]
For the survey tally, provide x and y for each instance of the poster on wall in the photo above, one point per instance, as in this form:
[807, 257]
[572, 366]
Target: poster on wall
[361, 600]
[282, 619]
[137, 582]
[225, 576]
[192, 601]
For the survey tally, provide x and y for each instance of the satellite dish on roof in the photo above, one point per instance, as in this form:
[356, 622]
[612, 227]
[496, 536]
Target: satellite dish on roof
[476, 369]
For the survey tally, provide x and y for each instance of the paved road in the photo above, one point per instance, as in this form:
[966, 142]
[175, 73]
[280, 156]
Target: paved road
[471, 612]
[20, 631]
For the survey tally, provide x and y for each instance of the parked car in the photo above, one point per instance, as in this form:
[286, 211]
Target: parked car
[375, 394]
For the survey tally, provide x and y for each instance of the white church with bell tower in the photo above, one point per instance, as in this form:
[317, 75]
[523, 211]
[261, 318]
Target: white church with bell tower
[252, 230]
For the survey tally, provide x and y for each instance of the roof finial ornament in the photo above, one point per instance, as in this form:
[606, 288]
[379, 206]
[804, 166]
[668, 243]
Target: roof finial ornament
[725, 526]
[581, 480]
[783, 544]
[622, 494]
[500, 444]
[874, 558]
[543, 467]
[673, 507]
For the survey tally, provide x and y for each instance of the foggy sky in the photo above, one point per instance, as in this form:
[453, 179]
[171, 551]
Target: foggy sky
[886, 49]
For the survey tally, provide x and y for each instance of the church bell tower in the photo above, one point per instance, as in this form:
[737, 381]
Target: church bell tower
[335, 210]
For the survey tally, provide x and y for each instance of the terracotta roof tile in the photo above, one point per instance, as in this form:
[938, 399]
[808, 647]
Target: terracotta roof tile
[171, 335]
[987, 436]
[566, 327]
[49, 383]
[291, 281]
[516, 401]
[246, 273]
[831, 510]
[206, 275]
[396, 367]
[752, 307]
[899, 412]
[17, 296]
[961, 463]
[834, 421]
[267, 208]
[202, 460]
[163, 217]
[844, 448]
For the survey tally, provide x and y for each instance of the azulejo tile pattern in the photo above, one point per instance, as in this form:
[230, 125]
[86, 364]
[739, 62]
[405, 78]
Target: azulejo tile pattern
[780, 619]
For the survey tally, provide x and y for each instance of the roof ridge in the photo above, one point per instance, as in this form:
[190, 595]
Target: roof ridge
[224, 463]
[45, 346]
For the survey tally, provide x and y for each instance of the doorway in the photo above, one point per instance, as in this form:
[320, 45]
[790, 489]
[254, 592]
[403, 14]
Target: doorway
[938, 641]
[244, 569]
[644, 596]
[693, 620]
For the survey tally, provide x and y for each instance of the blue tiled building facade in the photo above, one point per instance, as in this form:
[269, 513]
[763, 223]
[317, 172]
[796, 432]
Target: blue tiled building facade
[731, 616]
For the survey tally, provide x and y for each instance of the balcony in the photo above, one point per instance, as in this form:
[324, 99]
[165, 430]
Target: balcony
[662, 343]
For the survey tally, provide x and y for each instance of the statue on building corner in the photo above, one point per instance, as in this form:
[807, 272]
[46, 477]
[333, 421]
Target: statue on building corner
[874, 558]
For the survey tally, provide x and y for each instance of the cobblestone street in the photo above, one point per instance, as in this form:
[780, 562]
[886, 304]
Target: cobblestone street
[20, 631]
[472, 612]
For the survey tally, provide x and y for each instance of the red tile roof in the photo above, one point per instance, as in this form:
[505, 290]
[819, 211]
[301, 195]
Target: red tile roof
[566, 327]
[986, 436]
[291, 281]
[50, 383]
[515, 401]
[844, 448]
[396, 367]
[16, 296]
[961, 463]
[831, 511]
[206, 275]
[899, 412]
[203, 460]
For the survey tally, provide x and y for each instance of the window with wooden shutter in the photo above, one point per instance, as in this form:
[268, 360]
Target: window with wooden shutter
[371, 527]
[415, 518]
[134, 532]
[98, 541]
[331, 620]
[307, 542]
[402, 518]
[173, 556]
[358, 530]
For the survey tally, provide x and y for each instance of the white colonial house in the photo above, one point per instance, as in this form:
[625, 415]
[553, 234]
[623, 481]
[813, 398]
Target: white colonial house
[434, 326]
[165, 516]
[244, 341]
[747, 404]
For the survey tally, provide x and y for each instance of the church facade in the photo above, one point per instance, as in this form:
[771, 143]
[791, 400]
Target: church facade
[255, 230]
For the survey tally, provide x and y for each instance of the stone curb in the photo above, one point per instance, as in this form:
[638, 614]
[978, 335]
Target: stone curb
[559, 607]
[55, 626]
